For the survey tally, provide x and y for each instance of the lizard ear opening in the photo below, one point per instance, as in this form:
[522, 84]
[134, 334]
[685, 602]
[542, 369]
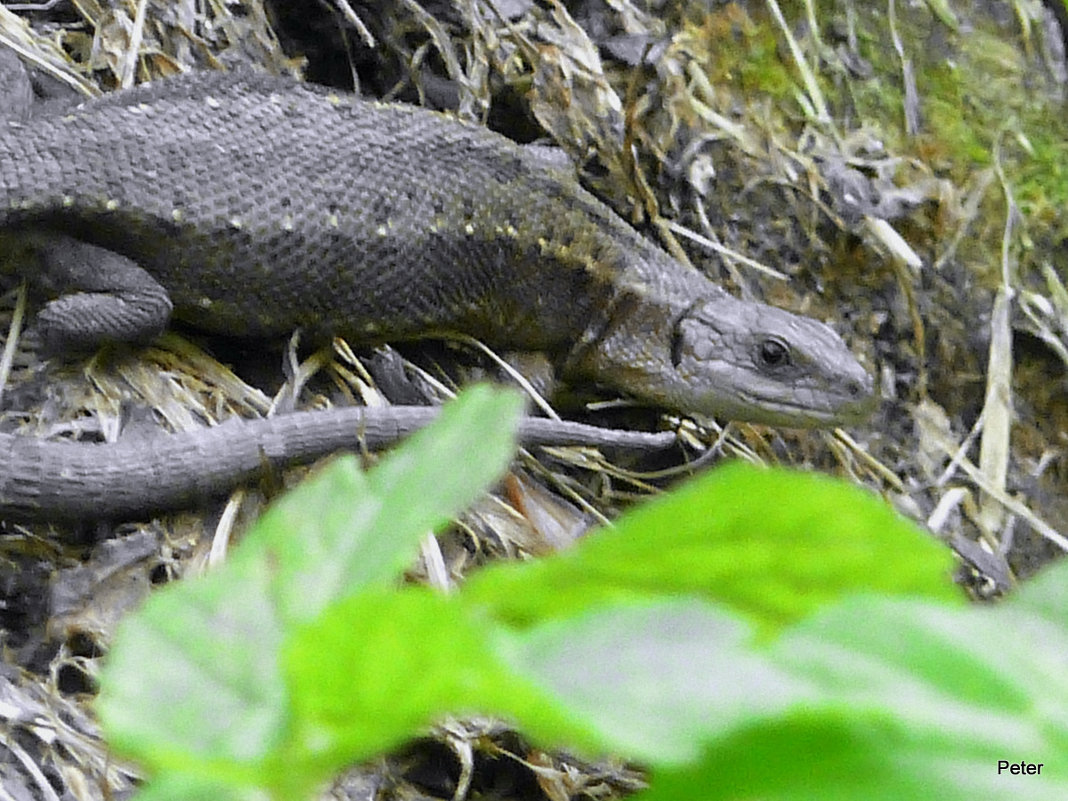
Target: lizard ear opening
[677, 345]
[694, 338]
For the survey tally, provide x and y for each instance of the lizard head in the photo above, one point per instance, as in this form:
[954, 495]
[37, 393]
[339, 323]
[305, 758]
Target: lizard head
[749, 361]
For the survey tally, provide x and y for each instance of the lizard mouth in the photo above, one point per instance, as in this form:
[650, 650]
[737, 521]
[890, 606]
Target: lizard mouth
[843, 406]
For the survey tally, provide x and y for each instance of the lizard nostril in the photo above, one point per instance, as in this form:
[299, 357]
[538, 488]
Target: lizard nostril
[859, 388]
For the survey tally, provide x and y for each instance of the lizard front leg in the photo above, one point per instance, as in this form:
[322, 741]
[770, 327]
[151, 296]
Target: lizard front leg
[97, 295]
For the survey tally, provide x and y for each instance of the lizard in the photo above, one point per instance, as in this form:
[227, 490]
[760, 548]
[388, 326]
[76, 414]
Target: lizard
[249, 204]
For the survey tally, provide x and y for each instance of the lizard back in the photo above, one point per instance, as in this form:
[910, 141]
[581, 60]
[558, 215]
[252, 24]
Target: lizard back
[263, 204]
[252, 205]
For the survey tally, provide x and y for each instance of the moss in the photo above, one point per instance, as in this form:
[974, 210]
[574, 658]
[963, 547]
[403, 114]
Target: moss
[739, 51]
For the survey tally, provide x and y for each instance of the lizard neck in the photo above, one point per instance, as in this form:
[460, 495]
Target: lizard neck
[627, 345]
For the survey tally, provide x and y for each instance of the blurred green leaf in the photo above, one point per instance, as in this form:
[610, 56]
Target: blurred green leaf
[772, 544]
[193, 681]
[639, 641]
[656, 679]
[912, 700]
[382, 666]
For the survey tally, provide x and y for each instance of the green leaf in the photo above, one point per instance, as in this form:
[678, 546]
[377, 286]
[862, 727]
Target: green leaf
[193, 681]
[264, 676]
[192, 678]
[382, 666]
[824, 755]
[910, 701]
[195, 786]
[874, 698]
[989, 679]
[654, 680]
[772, 544]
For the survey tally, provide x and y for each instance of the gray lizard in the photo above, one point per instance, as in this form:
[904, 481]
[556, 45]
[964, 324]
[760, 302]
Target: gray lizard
[253, 205]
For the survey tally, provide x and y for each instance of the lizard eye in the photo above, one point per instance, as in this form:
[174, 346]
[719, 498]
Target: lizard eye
[773, 353]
